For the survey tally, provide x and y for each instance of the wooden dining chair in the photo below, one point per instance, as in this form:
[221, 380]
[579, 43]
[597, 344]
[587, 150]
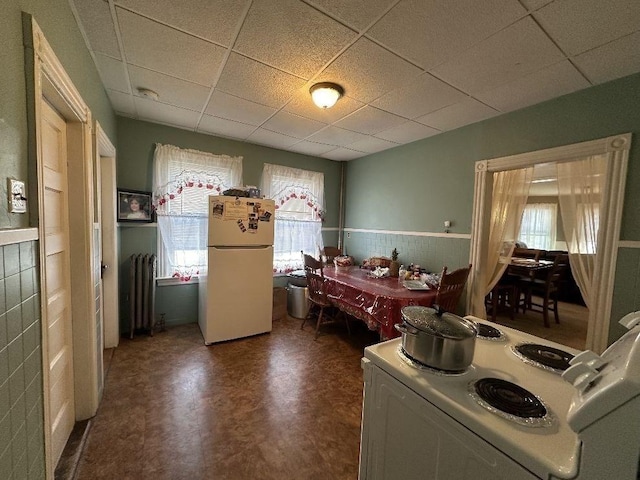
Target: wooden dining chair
[321, 305]
[330, 253]
[451, 287]
[546, 289]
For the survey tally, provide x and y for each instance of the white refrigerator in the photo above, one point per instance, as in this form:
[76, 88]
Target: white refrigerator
[236, 294]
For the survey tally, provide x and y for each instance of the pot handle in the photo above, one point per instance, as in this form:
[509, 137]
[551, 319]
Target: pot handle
[404, 328]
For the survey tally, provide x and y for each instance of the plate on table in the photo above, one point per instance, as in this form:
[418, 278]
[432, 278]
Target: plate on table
[415, 285]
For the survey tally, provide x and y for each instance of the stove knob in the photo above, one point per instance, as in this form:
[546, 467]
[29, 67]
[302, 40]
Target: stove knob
[590, 358]
[580, 375]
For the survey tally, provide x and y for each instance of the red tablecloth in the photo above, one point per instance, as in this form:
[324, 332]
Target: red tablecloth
[376, 301]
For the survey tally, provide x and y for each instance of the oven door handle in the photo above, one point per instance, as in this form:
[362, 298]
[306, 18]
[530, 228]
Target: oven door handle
[404, 328]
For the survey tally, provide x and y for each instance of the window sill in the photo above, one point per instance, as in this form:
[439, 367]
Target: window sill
[167, 281]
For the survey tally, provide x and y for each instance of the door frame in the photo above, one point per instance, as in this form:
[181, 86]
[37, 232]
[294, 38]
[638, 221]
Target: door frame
[106, 188]
[47, 79]
[617, 150]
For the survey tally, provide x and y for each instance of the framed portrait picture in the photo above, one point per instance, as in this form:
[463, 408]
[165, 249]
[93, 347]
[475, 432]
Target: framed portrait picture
[134, 206]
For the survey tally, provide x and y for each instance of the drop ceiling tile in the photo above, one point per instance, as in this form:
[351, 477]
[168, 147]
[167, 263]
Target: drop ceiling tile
[311, 148]
[367, 71]
[112, 73]
[343, 154]
[408, 132]
[97, 24]
[372, 145]
[167, 114]
[613, 60]
[122, 103]
[301, 104]
[458, 115]
[214, 20]
[336, 136]
[294, 125]
[171, 90]
[238, 109]
[554, 81]
[225, 128]
[301, 40]
[257, 82]
[432, 31]
[356, 13]
[157, 47]
[423, 95]
[580, 25]
[369, 120]
[517, 50]
[271, 139]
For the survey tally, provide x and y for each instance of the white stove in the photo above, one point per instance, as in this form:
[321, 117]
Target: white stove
[418, 423]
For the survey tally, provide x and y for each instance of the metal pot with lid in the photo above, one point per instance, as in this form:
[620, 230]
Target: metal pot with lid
[436, 338]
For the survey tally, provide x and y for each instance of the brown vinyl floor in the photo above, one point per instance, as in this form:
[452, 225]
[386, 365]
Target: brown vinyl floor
[571, 331]
[275, 406]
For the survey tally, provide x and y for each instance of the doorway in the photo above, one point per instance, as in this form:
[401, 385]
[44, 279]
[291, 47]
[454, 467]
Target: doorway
[70, 221]
[616, 150]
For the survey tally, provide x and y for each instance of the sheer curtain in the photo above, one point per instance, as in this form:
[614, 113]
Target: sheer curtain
[580, 192]
[509, 197]
[182, 182]
[538, 228]
[299, 197]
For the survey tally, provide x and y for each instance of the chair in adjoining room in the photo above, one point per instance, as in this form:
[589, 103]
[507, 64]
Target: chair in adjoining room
[329, 253]
[503, 297]
[545, 288]
[318, 297]
[451, 287]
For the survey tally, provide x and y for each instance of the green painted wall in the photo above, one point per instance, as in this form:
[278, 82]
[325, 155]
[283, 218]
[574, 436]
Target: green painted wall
[59, 26]
[417, 187]
[136, 140]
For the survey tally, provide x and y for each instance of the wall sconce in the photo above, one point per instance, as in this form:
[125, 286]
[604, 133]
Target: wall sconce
[326, 94]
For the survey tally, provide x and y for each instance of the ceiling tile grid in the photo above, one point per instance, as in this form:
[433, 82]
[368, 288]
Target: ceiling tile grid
[410, 69]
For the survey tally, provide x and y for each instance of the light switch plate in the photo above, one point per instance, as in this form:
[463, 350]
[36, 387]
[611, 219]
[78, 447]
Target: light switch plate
[17, 199]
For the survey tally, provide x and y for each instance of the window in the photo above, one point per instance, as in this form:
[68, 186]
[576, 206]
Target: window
[182, 182]
[538, 228]
[299, 197]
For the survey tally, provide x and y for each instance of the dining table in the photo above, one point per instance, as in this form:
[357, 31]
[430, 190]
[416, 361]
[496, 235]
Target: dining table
[377, 301]
[528, 267]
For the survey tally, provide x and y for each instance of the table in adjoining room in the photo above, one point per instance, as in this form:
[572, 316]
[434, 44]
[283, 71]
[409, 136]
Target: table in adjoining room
[375, 301]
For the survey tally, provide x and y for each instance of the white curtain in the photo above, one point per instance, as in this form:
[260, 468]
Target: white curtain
[509, 197]
[299, 197]
[538, 229]
[580, 193]
[183, 180]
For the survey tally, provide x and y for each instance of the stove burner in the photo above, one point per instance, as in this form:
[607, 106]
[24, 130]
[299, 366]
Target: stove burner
[543, 356]
[409, 360]
[487, 332]
[510, 401]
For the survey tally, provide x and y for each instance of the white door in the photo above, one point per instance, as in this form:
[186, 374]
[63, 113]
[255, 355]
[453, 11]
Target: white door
[109, 245]
[56, 285]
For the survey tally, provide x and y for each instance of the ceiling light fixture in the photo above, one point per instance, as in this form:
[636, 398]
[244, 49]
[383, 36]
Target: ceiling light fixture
[326, 94]
[147, 93]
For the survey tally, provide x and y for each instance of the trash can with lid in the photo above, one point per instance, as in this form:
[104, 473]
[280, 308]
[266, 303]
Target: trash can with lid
[297, 301]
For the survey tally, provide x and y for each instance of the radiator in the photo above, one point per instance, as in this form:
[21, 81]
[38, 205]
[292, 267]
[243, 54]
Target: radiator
[142, 292]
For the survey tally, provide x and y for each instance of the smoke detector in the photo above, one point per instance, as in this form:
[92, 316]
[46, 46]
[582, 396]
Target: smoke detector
[148, 93]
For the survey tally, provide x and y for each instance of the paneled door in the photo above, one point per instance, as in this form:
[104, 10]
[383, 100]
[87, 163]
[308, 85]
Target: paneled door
[56, 285]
